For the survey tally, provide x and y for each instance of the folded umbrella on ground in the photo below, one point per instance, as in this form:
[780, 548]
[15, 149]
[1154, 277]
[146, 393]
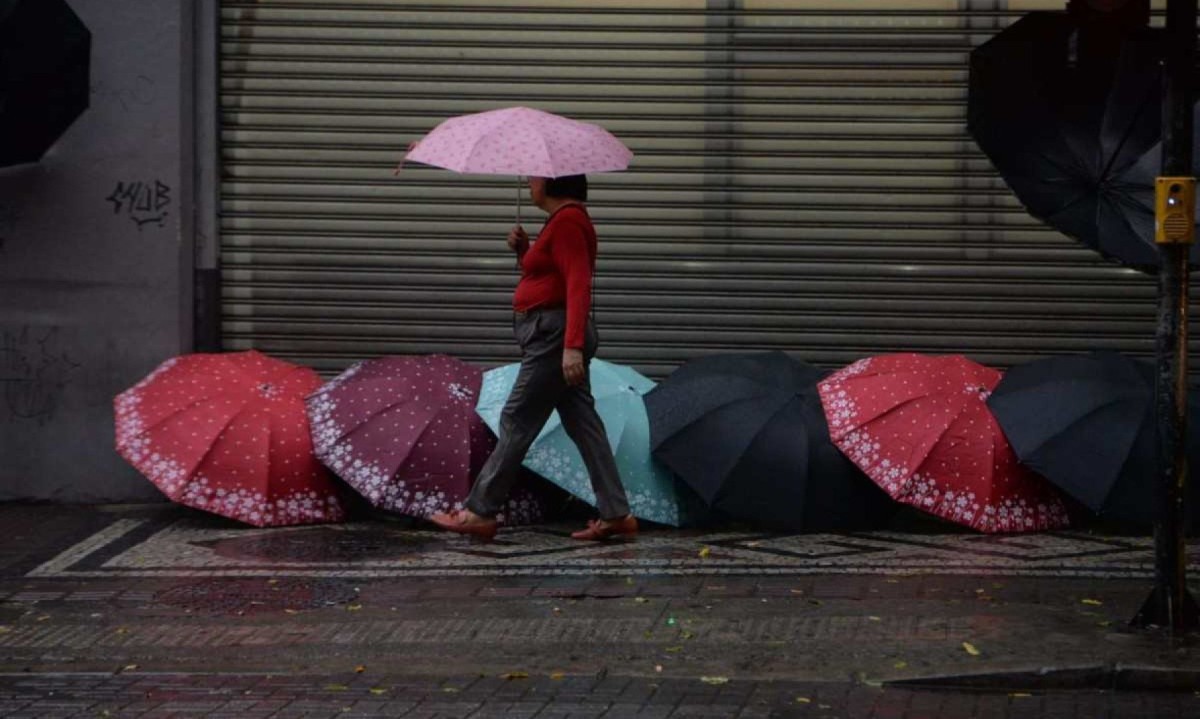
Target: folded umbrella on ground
[228, 434]
[654, 494]
[402, 431]
[919, 427]
[747, 433]
[1087, 424]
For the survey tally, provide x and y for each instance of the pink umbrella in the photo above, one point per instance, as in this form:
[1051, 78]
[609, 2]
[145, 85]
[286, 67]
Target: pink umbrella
[228, 434]
[919, 426]
[520, 141]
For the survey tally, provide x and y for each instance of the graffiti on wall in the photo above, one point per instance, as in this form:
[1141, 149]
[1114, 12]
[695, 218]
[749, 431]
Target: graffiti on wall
[141, 92]
[143, 202]
[35, 372]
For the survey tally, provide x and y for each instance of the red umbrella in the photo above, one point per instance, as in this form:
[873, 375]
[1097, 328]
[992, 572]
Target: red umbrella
[920, 428]
[403, 432]
[227, 433]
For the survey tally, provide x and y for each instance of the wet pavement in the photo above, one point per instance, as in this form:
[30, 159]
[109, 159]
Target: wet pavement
[153, 611]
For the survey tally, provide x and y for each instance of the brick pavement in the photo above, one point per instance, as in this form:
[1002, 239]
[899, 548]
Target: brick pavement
[134, 695]
[151, 600]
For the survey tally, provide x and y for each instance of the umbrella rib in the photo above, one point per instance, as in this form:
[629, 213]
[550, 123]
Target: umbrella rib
[211, 447]
[1061, 431]
[714, 408]
[175, 413]
[1125, 138]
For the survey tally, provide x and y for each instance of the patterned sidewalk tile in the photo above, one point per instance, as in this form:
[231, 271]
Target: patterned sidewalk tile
[136, 547]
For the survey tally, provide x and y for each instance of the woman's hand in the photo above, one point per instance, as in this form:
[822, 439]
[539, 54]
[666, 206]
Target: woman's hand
[518, 241]
[574, 371]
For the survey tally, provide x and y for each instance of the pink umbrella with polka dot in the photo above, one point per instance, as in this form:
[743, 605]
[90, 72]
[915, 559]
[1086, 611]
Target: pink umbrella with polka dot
[919, 426]
[228, 434]
[520, 141]
[403, 432]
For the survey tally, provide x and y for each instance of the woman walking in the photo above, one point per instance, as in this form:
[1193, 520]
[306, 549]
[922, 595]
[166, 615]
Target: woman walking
[551, 321]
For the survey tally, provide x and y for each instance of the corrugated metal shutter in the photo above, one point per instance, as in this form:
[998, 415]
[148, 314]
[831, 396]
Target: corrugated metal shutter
[803, 180]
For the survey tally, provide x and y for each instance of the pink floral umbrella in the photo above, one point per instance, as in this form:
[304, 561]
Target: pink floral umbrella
[228, 434]
[520, 141]
[403, 432]
[919, 426]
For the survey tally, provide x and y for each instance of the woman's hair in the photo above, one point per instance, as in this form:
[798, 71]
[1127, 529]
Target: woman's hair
[573, 187]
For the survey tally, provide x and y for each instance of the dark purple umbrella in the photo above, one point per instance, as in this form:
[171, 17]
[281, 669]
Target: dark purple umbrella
[403, 432]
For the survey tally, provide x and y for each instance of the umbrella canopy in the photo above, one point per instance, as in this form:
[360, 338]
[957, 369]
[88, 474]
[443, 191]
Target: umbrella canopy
[402, 431]
[45, 50]
[919, 427]
[1087, 424]
[227, 433]
[747, 433]
[520, 141]
[654, 494]
[1079, 143]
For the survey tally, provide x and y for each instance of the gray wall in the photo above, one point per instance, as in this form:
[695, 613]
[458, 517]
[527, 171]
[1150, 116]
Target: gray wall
[96, 258]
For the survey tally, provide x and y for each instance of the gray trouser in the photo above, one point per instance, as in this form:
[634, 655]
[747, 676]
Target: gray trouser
[539, 390]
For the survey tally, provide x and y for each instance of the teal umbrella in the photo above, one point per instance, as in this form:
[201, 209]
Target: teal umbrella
[654, 493]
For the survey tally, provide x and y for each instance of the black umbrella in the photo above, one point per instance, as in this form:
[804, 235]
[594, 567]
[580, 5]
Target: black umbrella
[1076, 135]
[1086, 423]
[748, 434]
[44, 54]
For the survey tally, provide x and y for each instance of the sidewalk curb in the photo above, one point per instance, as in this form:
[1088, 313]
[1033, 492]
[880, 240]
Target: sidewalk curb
[1113, 677]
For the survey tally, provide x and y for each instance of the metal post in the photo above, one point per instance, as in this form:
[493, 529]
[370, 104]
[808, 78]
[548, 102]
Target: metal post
[1169, 604]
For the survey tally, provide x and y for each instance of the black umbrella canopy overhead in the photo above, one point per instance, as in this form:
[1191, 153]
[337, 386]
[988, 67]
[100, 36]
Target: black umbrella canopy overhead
[747, 432]
[1087, 424]
[1075, 134]
[45, 50]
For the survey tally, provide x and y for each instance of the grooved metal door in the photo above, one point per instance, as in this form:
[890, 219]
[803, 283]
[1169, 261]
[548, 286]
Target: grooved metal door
[803, 180]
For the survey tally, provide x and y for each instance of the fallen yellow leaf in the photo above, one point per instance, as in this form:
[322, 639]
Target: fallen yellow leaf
[704, 552]
[875, 619]
[360, 668]
[378, 690]
[970, 648]
[129, 667]
[1092, 602]
[558, 675]
[715, 680]
[640, 600]
[514, 675]
[803, 700]
[1019, 695]
[336, 687]
[353, 607]
[900, 665]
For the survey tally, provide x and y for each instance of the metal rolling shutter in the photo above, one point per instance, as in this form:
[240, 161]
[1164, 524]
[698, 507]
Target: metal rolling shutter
[803, 181]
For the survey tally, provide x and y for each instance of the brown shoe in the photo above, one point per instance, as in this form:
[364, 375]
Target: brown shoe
[466, 523]
[599, 529]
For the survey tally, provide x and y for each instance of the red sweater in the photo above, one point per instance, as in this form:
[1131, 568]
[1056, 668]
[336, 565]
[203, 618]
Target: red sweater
[557, 270]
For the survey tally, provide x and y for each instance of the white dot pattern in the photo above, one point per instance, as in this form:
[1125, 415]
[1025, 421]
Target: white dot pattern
[919, 426]
[520, 141]
[228, 434]
[402, 431]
